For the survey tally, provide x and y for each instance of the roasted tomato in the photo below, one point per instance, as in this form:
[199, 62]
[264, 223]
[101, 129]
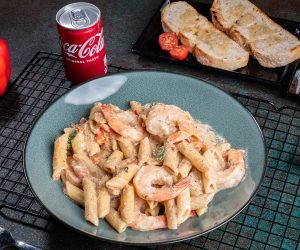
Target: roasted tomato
[180, 52]
[167, 41]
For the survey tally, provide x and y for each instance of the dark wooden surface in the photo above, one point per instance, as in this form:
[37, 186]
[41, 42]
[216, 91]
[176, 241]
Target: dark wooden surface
[29, 26]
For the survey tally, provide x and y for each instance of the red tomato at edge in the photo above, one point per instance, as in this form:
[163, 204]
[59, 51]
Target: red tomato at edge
[167, 41]
[180, 52]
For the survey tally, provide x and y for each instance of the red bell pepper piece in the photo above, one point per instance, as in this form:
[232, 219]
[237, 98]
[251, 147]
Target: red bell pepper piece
[5, 70]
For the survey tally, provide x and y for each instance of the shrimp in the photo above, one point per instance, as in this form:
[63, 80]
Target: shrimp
[164, 120]
[154, 183]
[183, 135]
[172, 123]
[178, 137]
[232, 176]
[143, 222]
[124, 123]
[102, 134]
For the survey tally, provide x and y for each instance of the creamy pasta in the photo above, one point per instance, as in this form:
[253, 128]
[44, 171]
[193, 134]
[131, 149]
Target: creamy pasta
[149, 167]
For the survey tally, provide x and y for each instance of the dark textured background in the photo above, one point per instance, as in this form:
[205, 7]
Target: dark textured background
[29, 26]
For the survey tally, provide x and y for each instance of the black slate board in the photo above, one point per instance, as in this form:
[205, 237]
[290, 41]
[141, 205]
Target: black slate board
[147, 45]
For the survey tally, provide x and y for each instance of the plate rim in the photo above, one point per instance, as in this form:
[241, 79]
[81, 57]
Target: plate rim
[161, 242]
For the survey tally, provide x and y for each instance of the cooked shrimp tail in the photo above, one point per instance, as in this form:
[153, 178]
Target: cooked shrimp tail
[144, 222]
[178, 137]
[154, 183]
[233, 175]
[167, 193]
[111, 118]
[122, 122]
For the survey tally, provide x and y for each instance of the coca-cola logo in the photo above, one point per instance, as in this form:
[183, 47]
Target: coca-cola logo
[88, 49]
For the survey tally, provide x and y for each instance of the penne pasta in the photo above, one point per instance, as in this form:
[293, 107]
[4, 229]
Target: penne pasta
[90, 201]
[114, 145]
[171, 159]
[93, 125]
[96, 114]
[184, 168]
[126, 208]
[74, 193]
[115, 221]
[152, 204]
[215, 159]
[189, 151]
[152, 211]
[103, 201]
[105, 152]
[100, 182]
[201, 210]
[85, 161]
[209, 181]
[78, 143]
[201, 201]
[113, 161]
[72, 178]
[60, 155]
[115, 202]
[126, 162]
[127, 148]
[196, 188]
[118, 182]
[170, 210]
[183, 203]
[144, 154]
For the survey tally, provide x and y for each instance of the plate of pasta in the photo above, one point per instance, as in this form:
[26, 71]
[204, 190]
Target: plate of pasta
[145, 157]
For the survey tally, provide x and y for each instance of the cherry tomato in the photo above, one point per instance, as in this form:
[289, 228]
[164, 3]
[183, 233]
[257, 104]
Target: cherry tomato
[180, 52]
[167, 41]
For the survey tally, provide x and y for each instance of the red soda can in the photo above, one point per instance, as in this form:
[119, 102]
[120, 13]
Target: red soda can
[82, 41]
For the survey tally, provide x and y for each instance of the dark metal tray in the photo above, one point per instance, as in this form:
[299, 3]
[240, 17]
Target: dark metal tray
[147, 45]
[270, 221]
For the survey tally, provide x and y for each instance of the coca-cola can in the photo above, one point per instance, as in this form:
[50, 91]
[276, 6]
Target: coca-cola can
[82, 41]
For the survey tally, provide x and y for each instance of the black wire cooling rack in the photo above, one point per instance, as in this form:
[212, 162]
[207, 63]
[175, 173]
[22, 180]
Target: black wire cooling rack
[270, 221]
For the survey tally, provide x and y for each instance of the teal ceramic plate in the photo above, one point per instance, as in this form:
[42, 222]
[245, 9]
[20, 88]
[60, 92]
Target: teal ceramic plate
[205, 102]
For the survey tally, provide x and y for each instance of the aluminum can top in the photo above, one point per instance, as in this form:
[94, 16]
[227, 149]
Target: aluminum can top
[78, 16]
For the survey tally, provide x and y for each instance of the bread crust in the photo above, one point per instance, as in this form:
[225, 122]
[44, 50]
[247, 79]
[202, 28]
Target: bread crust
[187, 25]
[228, 64]
[283, 52]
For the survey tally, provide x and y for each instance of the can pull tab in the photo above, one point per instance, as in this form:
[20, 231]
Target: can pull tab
[79, 18]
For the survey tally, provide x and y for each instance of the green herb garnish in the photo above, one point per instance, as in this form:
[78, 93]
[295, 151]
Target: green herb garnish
[70, 139]
[160, 153]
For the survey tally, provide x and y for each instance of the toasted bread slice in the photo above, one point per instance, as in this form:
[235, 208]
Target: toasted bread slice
[265, 40]
[177, 14]
[210, 46]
